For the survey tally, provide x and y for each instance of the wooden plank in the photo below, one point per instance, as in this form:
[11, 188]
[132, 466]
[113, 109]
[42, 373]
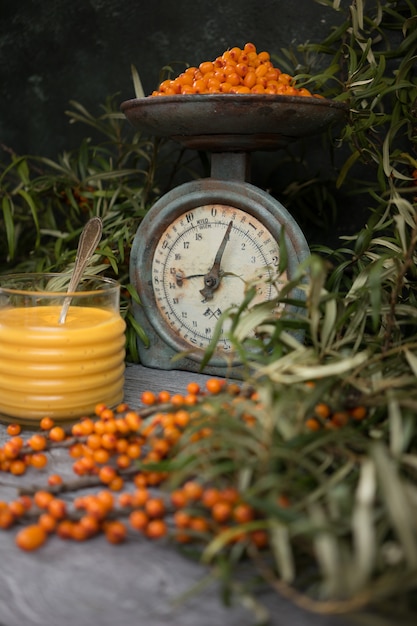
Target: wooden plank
[139, 379]
[138, 583]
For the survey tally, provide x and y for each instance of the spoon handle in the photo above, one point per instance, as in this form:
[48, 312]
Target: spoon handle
[87, 244]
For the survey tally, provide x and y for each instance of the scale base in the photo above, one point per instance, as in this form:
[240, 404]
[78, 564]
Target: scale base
[162, 357]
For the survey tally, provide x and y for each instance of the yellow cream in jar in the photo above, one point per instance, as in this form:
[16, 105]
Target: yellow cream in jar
[59, 370]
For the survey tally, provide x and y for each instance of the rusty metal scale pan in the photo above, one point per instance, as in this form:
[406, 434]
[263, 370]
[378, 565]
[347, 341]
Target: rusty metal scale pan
[233, 122]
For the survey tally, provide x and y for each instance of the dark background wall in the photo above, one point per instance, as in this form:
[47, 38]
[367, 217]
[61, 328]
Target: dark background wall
[54, 51]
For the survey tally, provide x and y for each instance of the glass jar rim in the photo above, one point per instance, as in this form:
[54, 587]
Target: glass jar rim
[107, 284]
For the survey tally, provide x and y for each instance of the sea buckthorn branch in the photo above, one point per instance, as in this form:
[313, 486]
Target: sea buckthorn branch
[189, 467]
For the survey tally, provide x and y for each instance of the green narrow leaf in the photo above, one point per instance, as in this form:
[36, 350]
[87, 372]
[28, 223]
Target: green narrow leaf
[7, 208]
[363, 528]
[397, 503]
[281, 546]
[137, 83]
[348, 164]
[31, 204]
[138, 330]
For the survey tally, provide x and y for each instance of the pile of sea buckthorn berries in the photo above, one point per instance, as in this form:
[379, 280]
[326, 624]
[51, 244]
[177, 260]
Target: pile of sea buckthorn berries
[123, 455]
[236, 71]
[118, 451]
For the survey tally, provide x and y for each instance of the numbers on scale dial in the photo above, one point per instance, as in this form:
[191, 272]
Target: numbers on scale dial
[202, 265]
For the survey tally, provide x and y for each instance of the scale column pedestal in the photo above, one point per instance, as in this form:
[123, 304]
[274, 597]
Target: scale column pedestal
[230, 166]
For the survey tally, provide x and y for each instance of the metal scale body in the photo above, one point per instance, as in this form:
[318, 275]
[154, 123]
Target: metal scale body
[197, 241]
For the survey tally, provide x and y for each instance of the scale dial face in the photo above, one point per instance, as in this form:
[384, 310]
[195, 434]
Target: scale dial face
[203, 264]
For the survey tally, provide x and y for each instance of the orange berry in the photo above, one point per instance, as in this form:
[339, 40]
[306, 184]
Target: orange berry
[17, 467]
[90, 524]
[264, 57]
[138, 520]
[259, 538]
[221, 511]
[10, 451]
[322, 410]
[340, 418]
[94, 441]
[76, 450]
[115, 531]
[313, 424]
[100, 456]
[99, 408]
[107, 414]
[233, 79]
[172, 434]
[155, 478]
[182, 519]
[193, 490]
[148, 398]
[6, 518]
[31, 537]
[177, 399]
[358, 413]
[125, 499]
[134, 451]
[106, 474]
[139, 480]
[13, 429]
[178, 498]
[156, 528]
[96, 509]
[64, 529]
[243, 513]
[140, 496]
[108, 441]
[133, 420]
[242, 69]
[116, 484]
[17, 508]
[123, 461]
[57, 433]
[37, 442]
[155, 507]
[26, 501]
[38, 460]
[283, 501]
[249, 47]
[48, 522]
[55, 479]
[79, 532]
[86, 426]
[205, 67]
[210, 497]
[42, 498]
[164, 396]
[106, 498]
[100, 427]
[161, 446]
[214, 385]
[199, 524]
[250, 79]
[46, 423]
[16, 443]
[57, 508]
[230, 494]
[182, 417]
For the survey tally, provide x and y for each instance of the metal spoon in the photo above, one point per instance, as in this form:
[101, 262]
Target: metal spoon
[87, 244]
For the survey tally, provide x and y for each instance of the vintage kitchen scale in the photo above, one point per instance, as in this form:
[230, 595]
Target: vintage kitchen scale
[203, 242]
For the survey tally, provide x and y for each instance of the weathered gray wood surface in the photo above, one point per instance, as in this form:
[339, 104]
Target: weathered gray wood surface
[139, 583]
